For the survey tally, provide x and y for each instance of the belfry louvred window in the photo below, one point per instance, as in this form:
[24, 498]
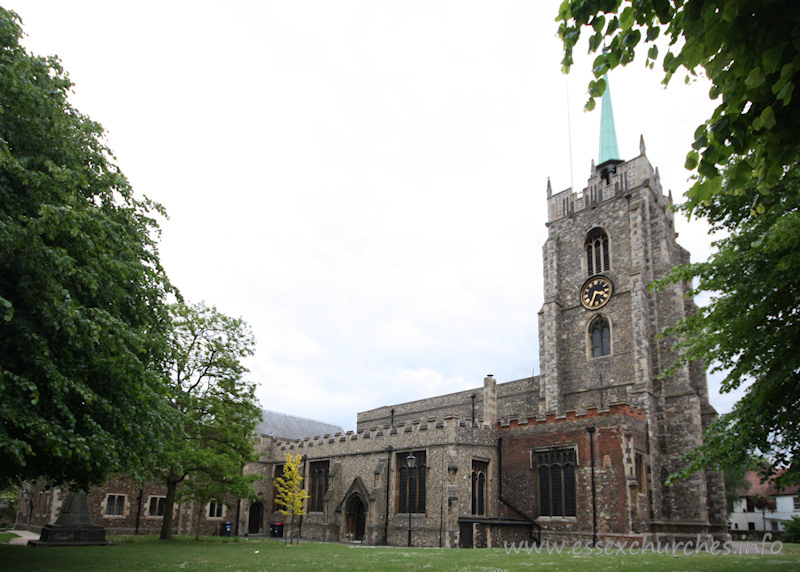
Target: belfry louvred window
[597, 257]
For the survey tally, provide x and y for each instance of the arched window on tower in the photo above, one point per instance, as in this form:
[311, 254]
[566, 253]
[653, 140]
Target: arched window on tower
[596, 247]
[600, 337]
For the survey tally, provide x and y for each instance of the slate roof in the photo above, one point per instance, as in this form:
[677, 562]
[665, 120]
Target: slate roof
[285, 426]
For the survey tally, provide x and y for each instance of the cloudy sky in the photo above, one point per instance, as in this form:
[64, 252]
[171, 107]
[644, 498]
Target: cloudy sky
[362, 181]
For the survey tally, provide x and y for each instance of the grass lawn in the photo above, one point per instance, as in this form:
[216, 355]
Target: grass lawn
[147, 553]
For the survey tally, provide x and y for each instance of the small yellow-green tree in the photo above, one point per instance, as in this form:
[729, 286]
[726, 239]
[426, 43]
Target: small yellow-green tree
[291, 494]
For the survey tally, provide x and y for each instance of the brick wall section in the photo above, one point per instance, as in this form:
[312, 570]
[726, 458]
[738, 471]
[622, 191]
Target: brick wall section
[619, 433]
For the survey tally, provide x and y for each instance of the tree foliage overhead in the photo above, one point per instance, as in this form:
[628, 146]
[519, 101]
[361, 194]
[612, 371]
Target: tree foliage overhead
[751, 328]
[82, 291]
[217, 407]
[749, 49]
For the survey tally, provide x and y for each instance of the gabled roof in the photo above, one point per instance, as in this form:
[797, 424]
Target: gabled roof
[285, 426]
[767, 488]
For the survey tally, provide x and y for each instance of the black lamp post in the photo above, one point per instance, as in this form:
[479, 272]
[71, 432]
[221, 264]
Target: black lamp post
[411, 462]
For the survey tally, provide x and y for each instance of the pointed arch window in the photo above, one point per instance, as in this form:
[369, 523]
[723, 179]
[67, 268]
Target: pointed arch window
[556, 471]
[596, 248]
[411, 489]
[479, 470]
[600, 337]
[319, 485]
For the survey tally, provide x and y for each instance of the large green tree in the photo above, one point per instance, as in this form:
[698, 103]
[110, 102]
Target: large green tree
[82, 293]
[750, 330]
[750, 51]
[217, 406]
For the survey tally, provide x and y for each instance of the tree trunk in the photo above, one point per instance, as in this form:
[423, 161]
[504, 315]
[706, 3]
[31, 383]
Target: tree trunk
[199, 506]
[169, 503]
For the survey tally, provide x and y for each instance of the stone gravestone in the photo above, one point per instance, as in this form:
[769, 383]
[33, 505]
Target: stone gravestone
[73, 527]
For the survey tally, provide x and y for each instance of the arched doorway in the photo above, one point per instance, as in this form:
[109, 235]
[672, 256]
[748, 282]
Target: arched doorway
[254, 522]
[355, 522]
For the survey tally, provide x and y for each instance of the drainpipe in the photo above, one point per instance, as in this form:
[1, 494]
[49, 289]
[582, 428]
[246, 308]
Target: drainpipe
[139, 510]
[388, 475]
[590, 431]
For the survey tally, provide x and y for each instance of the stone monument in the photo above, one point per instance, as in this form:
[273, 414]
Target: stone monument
[73, 527]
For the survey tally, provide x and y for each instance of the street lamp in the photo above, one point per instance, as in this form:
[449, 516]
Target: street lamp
[411, 462]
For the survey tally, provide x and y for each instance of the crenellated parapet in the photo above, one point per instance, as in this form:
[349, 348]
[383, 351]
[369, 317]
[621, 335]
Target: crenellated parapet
[410, 433]
[591, 412]
[628, 176]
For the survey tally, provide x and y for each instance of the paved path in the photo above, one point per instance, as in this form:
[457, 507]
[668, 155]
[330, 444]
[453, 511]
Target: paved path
[23, 536]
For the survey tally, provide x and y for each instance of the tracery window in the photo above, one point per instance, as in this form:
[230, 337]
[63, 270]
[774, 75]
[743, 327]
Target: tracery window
[556, 471]
[319, 485]
[600, 337]
[596, 247]
[479, 471]
[411, 486]
[278, 472]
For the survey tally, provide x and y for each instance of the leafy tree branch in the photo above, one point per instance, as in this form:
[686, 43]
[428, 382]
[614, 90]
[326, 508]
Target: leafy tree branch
[746, 48]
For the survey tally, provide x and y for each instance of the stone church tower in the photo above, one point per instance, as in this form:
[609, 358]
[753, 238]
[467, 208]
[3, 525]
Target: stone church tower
[599, 335]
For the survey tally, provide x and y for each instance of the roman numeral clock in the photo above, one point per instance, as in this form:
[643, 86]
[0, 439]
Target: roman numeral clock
[596, 292]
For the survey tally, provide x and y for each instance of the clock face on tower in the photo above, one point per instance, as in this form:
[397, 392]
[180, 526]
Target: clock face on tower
[596, 292]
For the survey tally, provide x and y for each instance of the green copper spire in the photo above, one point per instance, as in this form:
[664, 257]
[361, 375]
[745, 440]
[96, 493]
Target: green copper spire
[608, 133]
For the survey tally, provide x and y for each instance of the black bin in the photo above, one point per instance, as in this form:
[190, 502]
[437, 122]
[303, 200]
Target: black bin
[225, 529]
[276, 530]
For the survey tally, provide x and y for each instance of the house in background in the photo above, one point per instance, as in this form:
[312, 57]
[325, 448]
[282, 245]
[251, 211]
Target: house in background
[746, 517]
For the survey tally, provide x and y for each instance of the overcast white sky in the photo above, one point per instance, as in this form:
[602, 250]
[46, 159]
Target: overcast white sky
[362, 181]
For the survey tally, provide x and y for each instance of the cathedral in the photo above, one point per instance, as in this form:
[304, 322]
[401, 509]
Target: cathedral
[580, 453]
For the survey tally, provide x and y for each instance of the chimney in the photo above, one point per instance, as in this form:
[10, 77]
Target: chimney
[489, 401]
